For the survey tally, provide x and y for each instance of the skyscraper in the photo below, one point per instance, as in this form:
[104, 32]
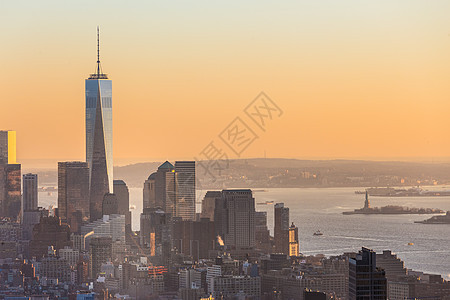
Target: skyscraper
[281, 227]
[100, 252]
[99, 147]
[73, 193]
[170, 197]
[185, 189]
[10, 191]
[149, 192]
[7, 147]
[208, 204]
[164, 179]
[30, 192]
[156, 232]
[110, 205]
[293, 240]
[239, 208]
[10, 181]
[366, 281]
[123, 201]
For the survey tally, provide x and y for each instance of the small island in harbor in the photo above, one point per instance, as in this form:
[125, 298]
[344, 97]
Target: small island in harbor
[437, 219]
[391, 210]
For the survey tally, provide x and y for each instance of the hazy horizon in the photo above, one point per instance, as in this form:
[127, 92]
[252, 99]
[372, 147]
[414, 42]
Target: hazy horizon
[52, 163]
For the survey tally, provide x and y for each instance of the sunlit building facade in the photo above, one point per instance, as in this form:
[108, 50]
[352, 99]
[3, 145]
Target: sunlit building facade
[7, 147]
[293, 240]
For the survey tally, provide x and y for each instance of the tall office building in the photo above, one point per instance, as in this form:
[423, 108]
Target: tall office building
[100, 253]
[30, 192]
[123, 201]
[208, 204]
[194, 238]
[73, 193]
[149, 192]
[99, 147]
[10, 191]
[10, 181]
[281, 228]
[239, 223]
[156, 232]
[163, 180]
[262, 233]
[366, 281]
[293, 240]
[7, 147]
[49, 232]
[185, 189]
[220, 219]
[110, 205]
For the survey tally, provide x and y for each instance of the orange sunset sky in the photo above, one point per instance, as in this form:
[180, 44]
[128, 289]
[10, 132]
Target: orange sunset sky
[355, 79]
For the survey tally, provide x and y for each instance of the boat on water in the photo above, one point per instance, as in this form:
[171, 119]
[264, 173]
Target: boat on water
[265, 203]
[410, 244]
[317, 233]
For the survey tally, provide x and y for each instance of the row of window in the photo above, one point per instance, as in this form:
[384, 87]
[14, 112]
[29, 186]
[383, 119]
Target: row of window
[91, 102]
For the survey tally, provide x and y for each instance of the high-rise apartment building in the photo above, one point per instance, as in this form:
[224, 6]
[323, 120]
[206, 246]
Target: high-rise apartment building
[185, 189]
[366, 281]
[30, 192]
[73, 193]
[10, 191]
[281, 228]
[239, 209]
[7, 147]
[99, 135]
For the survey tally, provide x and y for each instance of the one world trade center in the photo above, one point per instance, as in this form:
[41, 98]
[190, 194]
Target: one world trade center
[99, 147]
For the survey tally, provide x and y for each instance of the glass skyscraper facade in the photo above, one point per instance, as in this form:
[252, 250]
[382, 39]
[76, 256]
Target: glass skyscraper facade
[185, 189]
[99, 147]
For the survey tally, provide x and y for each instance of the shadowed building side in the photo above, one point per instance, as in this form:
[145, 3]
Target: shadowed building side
[73, 193]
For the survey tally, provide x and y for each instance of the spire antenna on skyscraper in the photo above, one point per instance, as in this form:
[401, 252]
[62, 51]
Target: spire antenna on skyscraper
[98, 51]
[99, 73]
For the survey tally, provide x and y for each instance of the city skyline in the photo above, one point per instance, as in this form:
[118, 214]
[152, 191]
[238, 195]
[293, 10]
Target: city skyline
[375, 92]
[278, 117]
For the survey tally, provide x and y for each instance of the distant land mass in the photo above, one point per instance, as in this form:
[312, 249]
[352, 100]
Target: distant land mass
[289, 173]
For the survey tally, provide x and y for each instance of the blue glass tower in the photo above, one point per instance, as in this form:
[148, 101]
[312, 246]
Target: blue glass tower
[99, 147]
